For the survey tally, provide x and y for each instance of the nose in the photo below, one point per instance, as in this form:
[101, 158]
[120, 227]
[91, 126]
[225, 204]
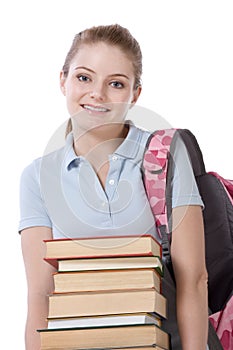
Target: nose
[97, 92]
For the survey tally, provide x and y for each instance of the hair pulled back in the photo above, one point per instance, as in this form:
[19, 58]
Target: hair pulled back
[114, 35]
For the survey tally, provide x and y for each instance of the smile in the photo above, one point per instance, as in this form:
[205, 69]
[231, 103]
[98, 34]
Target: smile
[96, 108]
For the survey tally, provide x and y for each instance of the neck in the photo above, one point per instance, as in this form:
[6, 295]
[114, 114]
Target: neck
[103, 140]
[97, 144]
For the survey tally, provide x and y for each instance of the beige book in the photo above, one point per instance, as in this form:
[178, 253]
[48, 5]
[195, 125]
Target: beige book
[107, 302]
[68, 282]
[104, 337]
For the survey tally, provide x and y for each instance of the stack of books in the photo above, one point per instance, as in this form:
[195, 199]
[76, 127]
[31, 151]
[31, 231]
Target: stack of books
[107, 294]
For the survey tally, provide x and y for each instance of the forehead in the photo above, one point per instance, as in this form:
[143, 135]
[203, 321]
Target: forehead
[103, 56]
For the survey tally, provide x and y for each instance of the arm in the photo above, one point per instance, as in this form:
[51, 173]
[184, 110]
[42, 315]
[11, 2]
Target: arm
[39, 281]
[188, 257]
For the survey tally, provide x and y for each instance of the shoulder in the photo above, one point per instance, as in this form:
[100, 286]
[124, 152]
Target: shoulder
[138, 134]
[31, 172]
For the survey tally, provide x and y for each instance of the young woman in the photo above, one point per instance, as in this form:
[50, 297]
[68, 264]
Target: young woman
[93, 185]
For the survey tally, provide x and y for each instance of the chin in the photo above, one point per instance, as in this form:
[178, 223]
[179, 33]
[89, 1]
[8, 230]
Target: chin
[89, 120]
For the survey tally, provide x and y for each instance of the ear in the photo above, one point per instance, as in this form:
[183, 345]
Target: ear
[62, 83]
[136, 95]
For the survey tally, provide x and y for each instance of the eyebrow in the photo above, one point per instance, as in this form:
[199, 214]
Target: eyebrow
[83, 67]
[111, 75]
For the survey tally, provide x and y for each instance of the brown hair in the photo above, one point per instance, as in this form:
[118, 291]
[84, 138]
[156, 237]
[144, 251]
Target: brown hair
[114, 35]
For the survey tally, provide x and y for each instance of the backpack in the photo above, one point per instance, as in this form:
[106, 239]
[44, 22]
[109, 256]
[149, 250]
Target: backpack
[217, 195]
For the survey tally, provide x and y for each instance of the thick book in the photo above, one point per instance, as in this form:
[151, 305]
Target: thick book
[153, 347]
[107, 302]
[94, 264]
[104, 337]
[68, 282]
[109, 246]
[108, 320]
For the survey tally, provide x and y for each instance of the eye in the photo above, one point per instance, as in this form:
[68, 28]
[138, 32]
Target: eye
[117, 84]
[82, 77]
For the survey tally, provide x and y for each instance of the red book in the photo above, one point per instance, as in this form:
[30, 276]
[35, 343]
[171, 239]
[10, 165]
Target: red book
[101, 247]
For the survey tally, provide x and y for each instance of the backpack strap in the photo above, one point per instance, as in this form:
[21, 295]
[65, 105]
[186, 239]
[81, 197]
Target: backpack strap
[156, 167]
[194, 151]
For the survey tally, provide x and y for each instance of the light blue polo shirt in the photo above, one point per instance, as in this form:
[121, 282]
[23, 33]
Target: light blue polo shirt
[61, 190]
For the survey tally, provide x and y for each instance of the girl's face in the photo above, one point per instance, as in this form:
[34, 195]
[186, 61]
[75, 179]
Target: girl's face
[99, 88]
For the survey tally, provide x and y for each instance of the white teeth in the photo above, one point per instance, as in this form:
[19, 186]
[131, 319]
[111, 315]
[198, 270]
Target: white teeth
[96, 109]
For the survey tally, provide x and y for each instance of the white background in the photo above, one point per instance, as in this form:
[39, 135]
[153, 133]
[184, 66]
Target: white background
[188, 80]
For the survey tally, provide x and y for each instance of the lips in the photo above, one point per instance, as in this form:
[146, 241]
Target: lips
[97, 109]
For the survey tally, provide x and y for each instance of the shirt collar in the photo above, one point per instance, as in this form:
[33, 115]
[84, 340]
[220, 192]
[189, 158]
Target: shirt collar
[127, 149]
[70, 158]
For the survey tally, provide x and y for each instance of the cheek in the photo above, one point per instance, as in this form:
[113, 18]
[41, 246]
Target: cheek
[73, 94]
[124, 96]
[120, 110]
[72, 101]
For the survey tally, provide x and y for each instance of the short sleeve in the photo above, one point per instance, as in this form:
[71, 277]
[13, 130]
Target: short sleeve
[32, 208]
[184, 186]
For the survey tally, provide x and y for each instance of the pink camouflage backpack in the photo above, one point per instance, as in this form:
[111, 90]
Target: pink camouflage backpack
[217, 195]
